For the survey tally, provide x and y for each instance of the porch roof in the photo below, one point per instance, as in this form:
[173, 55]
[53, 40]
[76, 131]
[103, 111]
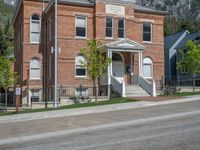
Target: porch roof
[126, 45]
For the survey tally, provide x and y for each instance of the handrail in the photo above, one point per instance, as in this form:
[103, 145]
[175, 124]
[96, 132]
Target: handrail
[150, 87]
[119, 86]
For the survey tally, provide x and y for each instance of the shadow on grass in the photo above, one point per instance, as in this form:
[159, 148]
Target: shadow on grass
[99, 103]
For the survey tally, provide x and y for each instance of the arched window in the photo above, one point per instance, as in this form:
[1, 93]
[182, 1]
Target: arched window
[147, 67]
[34, 69]
[80, 70]
[35, 29]
[117, 57]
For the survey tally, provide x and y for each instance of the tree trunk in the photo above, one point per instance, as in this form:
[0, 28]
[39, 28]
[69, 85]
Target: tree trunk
[6, 100]
[99, 92]
[193, 78]
[95, 89]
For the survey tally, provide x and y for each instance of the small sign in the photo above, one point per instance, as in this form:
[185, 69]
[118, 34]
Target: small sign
[114, 9]
[18, 91]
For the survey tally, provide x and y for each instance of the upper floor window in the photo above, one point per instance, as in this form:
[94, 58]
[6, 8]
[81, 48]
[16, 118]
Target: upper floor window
[34, 69]
[121, 28]
[109, 27]
[35, 29]
[147, 32]
[81, 26]
[80, 70]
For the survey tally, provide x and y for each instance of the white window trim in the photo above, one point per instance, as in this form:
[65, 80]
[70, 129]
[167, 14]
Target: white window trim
[124, 28]
[112, 27]
[31, 31]
[151, 32]
[86, 91]
[31, 78]
[79, 67]
[86, 27]
[151, 68]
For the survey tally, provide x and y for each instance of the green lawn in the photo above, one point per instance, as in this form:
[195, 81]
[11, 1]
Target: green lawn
[182, 94]
[108, 102]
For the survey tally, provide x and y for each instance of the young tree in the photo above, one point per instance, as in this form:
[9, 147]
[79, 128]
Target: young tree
[7, 76]
[191, 60]
[96, 61]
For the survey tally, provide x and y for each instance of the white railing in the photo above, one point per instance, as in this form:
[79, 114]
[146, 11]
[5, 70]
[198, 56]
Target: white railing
[119, 86]
[150, 87]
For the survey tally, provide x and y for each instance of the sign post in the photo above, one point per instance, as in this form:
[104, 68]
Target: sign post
[17, 95]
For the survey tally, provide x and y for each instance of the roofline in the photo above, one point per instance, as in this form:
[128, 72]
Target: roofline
[66, 2]
[164, 13]
[178, 41]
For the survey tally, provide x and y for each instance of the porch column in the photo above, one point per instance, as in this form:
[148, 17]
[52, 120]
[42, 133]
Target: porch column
[131, 64]
[140, 63]
[109, 55]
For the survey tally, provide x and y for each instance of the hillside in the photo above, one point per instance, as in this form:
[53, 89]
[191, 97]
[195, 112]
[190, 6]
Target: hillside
[6, 12]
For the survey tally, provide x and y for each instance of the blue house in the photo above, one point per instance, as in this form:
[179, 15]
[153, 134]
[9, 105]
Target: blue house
[173, 44]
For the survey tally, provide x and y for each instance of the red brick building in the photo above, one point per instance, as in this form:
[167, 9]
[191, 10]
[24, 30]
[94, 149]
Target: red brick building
[133, 36]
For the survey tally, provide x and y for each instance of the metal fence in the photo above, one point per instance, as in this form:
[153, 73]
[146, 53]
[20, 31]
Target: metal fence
[80, 90]
[184, 80]
[10, 100]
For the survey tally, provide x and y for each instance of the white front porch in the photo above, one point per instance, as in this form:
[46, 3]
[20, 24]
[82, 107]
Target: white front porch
[119, 72]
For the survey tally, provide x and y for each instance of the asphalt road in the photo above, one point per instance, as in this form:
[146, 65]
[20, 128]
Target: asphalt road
[169, 127]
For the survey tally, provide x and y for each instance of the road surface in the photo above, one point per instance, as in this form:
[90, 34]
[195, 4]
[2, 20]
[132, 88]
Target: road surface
[167, 127]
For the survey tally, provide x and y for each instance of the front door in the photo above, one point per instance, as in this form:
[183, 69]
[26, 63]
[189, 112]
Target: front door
[118, 66]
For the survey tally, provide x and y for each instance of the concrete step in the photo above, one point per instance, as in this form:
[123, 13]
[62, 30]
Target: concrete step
[135, 91]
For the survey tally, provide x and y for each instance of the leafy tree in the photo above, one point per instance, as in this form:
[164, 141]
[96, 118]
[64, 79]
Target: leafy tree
[96, 61]
[7, 76]
[191, 60]
[3, 43]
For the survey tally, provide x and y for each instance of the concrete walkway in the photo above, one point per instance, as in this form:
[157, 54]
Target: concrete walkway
[91, 110]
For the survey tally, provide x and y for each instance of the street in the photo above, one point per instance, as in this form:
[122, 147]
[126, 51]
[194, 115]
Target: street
[173, 127]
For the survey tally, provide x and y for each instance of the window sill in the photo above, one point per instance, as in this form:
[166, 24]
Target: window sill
[35, 80]
[109, 38]
[35, 43]
[148, 42]
[80, 38]
[148, 77]
[81, 77]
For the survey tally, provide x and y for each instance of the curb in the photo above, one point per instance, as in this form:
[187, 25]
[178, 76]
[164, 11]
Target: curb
[90, 110]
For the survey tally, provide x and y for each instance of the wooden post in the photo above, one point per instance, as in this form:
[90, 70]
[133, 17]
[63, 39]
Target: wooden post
[17, 95]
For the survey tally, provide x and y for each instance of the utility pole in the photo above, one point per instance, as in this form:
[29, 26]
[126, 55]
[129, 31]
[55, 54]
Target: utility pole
[56, 56]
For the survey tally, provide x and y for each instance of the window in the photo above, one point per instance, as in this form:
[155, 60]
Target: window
[147, 67]
[81, 26]
[80, 70]
[81, 92]
[35, 69]
[35, 95]
[121, 28]
[109, 27]
[147, 32]
[35, 29]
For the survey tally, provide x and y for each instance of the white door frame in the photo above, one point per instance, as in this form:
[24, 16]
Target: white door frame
[119, 63]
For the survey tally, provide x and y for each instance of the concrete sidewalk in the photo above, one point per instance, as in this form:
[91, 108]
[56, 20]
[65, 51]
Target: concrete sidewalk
[91, 110]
